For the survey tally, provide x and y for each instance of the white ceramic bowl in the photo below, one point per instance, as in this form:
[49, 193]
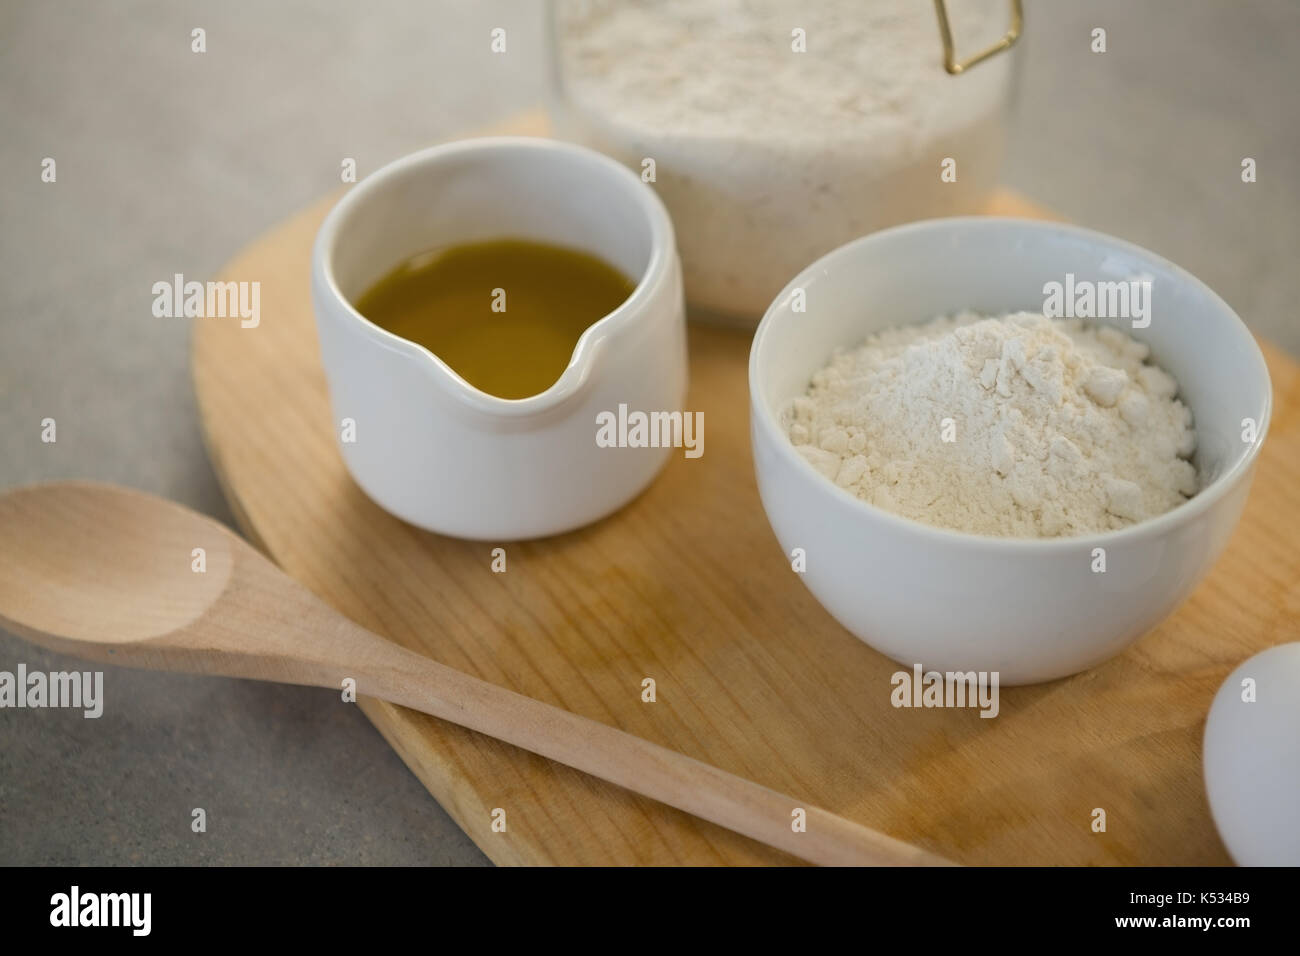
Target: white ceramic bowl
[431, 448]
[1031, 610]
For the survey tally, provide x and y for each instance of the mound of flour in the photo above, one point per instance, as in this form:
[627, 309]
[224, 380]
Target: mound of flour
[1018, 426]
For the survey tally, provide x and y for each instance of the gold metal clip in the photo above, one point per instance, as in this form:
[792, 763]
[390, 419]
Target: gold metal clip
[950, 62]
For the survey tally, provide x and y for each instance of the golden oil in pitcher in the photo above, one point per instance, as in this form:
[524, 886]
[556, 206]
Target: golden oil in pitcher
[504, 314]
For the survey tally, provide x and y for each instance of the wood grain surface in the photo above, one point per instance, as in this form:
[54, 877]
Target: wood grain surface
[687, 585]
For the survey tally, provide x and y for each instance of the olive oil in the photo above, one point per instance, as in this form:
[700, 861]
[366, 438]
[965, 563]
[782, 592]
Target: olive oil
[504, 314]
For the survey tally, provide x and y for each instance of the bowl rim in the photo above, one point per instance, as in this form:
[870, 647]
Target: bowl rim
[762, 417]
[580, 369]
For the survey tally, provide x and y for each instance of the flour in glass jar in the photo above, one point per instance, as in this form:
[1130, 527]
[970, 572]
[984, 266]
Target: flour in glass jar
[781, 129]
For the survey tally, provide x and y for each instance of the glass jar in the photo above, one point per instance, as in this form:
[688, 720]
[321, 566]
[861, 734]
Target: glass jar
[776, 130]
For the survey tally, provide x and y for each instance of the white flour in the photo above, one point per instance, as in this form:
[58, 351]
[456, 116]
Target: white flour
[1055, 428]
[768, 158]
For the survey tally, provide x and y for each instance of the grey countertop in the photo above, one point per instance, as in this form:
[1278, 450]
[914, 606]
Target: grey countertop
[168, 161]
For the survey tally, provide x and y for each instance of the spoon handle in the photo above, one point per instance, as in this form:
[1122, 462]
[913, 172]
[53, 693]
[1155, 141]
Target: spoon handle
[278, 631]
[412, 680]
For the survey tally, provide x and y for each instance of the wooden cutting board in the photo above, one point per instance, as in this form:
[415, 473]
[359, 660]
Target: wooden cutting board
[687, 585]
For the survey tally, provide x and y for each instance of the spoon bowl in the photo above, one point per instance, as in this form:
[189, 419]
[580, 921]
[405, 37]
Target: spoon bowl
[69, 547]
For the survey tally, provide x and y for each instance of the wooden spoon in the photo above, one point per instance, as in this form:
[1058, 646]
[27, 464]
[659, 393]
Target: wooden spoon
[109, 574]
